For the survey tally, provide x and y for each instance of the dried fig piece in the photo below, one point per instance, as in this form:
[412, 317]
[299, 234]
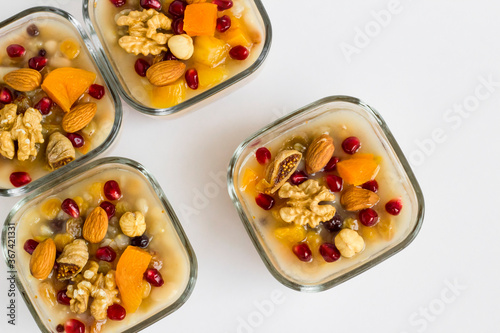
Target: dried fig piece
[72, 260]
[60, 151]
[280, 170]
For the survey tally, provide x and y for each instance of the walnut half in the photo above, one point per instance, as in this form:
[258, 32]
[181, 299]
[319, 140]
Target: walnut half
[145, 32]
[303, 206]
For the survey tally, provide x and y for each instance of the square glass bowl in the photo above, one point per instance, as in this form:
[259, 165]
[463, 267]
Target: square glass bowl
[107, 122]
[341, 117]
[142, 192]
[99, 17]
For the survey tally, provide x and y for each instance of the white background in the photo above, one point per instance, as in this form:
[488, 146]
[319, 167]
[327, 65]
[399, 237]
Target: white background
[428, 59]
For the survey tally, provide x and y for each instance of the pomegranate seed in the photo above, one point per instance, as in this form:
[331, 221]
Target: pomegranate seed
[62, 298]
[335, 224]
[109, 208]
[371, 185]
[112, 190]
[335, 183]
[177, 8]
[263, 155]
[16, 50]
[38, 63]
[239, 52]
[192, 78]
[223, 23]
[264, 201]
[116, 312]
[169, 56]
[223, 4]
[30, 245]
[42, 53]
[76, 140]
[141, 67]
[151, 4]
[118, 3]
[298, 177]
[368, 217]
[97, 91]
[44, 105]
[20, 178]
[74, 326]
[178, 26]
[140, 241]
[60, 328]
[303, 252]
[332, 163]
[351, 145]
[105, 253]
[153, 276]
[329, 252]
[70, 207]
[394, 206]
[32, 30]
[5, 96]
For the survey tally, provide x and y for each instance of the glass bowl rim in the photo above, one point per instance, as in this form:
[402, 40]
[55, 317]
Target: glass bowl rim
[151, 111]
[193, 262]
[98, 62]
[373, 262]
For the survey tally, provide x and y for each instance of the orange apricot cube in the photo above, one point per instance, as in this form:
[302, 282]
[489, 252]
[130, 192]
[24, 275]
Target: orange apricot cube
[357, 171]
[66, 85]
[200, 19]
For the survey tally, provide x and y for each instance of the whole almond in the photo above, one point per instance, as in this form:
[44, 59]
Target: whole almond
[24, 79]
[165, 72]
[78, 117]
[95, 226]
[318, 154]
[42, 260]
[355, 198]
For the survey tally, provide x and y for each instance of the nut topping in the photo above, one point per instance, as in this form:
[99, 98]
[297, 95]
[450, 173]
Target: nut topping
[304, 204]
[24, 79]
[319, 153]
[42, 259]
[79, 117]
[349, 242]
[165, 72]
[354, 199]
[95, 226]
[133, 224]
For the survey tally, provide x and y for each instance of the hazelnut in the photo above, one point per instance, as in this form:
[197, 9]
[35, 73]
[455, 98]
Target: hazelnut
[133, 224]
[181, 46]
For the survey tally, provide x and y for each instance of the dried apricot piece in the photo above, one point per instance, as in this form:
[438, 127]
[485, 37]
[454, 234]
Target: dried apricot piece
[357, 171]
[129, 275]
[65, 85]
[200, 19]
